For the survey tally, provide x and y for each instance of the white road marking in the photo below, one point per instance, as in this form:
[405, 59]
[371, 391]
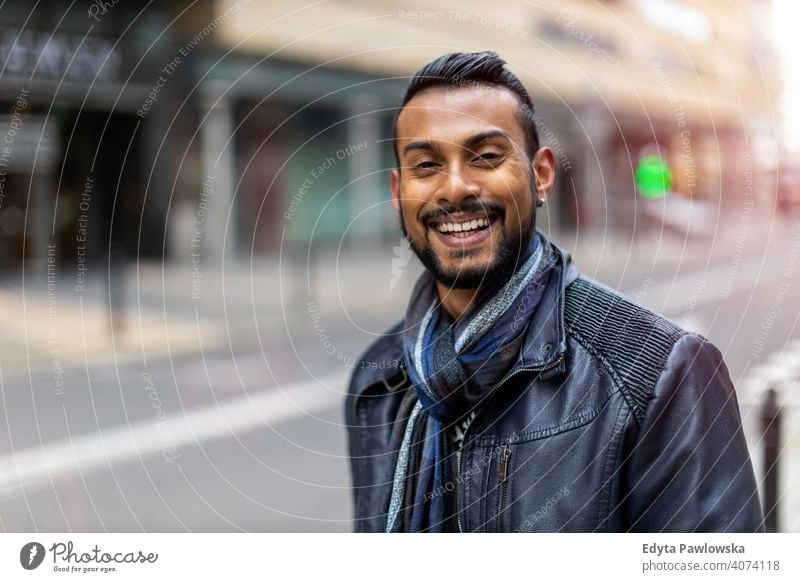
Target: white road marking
[124, 443]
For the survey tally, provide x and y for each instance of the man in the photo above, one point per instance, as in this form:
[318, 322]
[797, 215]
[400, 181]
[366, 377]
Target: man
[515, 394]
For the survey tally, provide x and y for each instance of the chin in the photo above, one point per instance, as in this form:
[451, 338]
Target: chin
[471, 274]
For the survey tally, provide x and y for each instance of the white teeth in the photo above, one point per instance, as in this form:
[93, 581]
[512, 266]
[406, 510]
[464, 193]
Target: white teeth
[463, 226]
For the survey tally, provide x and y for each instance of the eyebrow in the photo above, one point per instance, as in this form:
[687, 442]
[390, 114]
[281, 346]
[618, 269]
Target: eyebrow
[423, 144]
[477, 139]
[470, 144]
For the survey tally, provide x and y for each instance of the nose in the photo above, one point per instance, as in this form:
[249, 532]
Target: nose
[457, 185]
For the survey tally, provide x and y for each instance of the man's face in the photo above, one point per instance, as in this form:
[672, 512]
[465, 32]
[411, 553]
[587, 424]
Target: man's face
[466, 191]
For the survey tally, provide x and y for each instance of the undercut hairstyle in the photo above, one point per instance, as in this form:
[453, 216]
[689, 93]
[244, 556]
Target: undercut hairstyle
[465, 70]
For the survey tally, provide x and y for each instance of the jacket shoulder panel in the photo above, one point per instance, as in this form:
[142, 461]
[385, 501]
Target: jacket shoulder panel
[632, 342]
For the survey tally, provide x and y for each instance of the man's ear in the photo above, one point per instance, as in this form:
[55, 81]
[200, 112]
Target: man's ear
[544, 172]
[395, 185]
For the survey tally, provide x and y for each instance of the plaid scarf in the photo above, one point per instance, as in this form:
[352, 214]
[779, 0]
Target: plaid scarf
[453, 366]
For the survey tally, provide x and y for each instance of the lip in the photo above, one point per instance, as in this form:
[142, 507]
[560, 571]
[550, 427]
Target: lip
[474, 239]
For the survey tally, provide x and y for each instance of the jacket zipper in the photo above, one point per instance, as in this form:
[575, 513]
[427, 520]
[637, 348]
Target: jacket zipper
[552, 364]
[505, 456]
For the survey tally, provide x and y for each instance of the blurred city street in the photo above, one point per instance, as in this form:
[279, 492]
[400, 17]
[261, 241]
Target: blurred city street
[198, 239]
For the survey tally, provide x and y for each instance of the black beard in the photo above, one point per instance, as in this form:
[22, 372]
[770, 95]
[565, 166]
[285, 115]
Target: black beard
[512, 253]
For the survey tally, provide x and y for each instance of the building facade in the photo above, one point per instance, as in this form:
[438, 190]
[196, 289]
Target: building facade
[238, 128]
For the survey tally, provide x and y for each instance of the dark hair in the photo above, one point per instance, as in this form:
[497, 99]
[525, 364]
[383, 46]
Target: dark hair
[465, 70]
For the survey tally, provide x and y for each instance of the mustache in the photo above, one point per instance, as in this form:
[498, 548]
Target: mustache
[474, 206]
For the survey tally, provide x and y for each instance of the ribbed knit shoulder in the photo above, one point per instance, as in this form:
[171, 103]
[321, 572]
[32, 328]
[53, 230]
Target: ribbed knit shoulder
[632, 342]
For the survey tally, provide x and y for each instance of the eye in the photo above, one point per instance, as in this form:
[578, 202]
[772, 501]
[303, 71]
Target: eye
[425, 165]
[489, 158]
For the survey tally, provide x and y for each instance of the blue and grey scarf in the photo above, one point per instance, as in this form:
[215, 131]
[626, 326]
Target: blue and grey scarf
[453, 366]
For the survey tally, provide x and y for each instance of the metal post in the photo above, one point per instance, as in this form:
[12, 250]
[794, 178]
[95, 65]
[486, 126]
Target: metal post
[771, 425]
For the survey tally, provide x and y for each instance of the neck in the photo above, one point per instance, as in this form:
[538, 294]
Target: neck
[456, 302]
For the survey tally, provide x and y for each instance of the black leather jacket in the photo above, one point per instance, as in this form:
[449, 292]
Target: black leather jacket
[612, 419]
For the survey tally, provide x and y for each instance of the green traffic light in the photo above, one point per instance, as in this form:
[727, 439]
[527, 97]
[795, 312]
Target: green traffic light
[653, 177]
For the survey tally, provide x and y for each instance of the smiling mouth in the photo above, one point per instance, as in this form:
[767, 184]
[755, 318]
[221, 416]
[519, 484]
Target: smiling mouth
[463, 227]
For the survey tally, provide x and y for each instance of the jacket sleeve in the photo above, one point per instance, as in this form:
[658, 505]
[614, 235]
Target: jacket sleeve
[688, 468]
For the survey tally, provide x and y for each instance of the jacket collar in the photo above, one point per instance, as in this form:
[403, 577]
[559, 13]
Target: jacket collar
[545, 344]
